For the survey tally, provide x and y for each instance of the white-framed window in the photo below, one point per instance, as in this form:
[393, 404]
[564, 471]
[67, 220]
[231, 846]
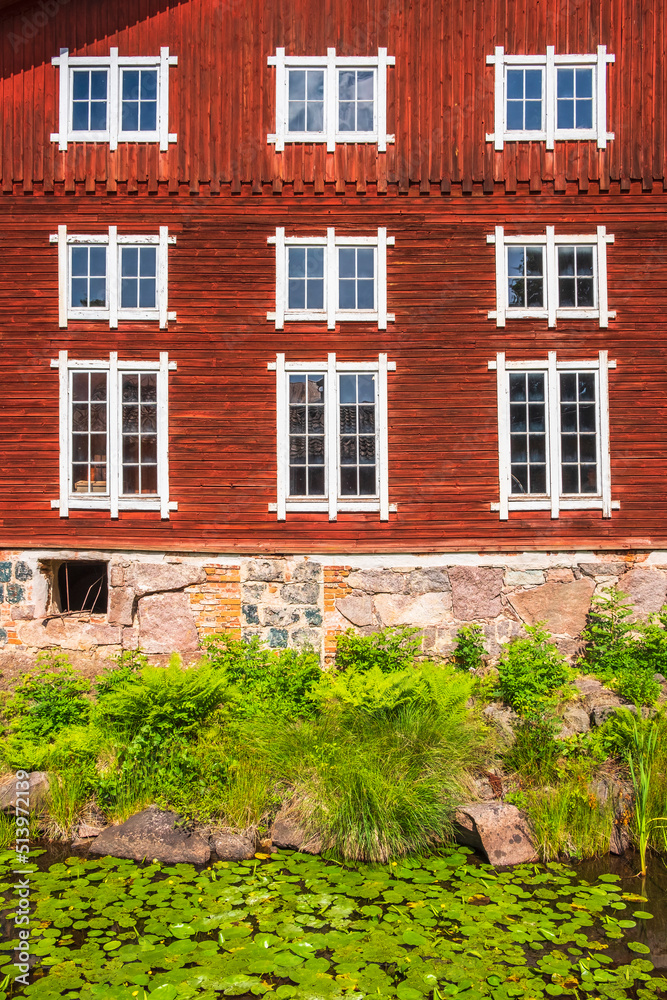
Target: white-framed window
[331, 279]
[331, 99]
[114, 447]
[111, 276]
[332, 436]
[550, 98]
[114, 98]
[553, 435]
[551, 276]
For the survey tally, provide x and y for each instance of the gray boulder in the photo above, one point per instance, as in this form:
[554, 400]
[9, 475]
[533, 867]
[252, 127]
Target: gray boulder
[289, 832]
[37, 796]
[152, 834]
[502, 717]
[496, 829]
[576, 719]
[231, 846]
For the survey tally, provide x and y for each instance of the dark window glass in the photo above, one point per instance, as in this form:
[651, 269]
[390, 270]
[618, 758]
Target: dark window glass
[357, 430]
[305, 278]
[306, 441]
[88, 278]
[576, 277]
[305, 100]
[574, 98]
[89, 100]
[578, 440]
[356, 278]
[524, 100]
[139, 433]
[355, 100]
[88, 393]
[525, 281]
[528, 444]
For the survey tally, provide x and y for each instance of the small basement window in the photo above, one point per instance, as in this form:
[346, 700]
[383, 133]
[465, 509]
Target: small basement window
[83, 586]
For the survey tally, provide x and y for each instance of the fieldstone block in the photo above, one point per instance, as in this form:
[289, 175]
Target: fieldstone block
[603, 568]
[22, 572]
[267, 570]
[498, 830]
[153, 833]
[277, 638]
[279, 616]
[38, 782]
[357, 609]
[380, 581]
[647, 589]
[14, 593]
[524, 578]
[250, 614]
[166, 624]
[24, 612]
[130, 638]
[422, 611]
[575, 720]
[560, 574]
[116, 575]
[476, 592]
[300, 593]
[305, 637]
[563, 606]
[94, 634]
[313, 616]
[5, 572]
[252, 593]
[289, 832]
[155, 578]
[306, 571]
[426, 581]
[121, 606]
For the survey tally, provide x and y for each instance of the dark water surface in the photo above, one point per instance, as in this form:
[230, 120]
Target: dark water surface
[295, 926]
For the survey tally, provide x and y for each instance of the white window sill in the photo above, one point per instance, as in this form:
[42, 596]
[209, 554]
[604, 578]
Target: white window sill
[579, 503]
[83, 501]
[349, 316]
[305, 506]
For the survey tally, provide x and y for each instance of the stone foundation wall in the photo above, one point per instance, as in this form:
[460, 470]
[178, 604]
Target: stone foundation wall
[166, 603]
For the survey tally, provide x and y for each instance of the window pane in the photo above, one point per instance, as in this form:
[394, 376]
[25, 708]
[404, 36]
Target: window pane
[346, 262]
[565, 114]
[348, 388]
[565, 260]
[296, 294]
[566, 293]
[315, 118]
[528, 445]
[533, 120]
[88, 431]
[515, 260]
[534, 261]
[147, 293]
[533, 84]
[517, 387]
[297, 84]
[565, 82]
[129, 261]
[98, 85]
[315, 262]
[578, 433]
[356, 425]
[306, 438]
[346, 85]
[315, 299]
[315, 85]
[346, 296]
[534, 293]
[297, 262]
[81, 84]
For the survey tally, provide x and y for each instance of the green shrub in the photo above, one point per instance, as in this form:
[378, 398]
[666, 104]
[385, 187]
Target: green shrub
[623, 653]
[127, 665]
[161, 701]
[263, 680]
[470, 648]
[535, 753]
[390, 649]
[48, 699]
[530, 671]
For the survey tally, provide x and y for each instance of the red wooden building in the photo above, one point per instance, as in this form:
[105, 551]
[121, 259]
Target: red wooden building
[312, 317]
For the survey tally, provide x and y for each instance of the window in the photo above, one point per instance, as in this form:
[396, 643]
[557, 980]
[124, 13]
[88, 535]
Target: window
[114, 98]
[113, 435]
[549, 98]
[553, 435]
[551, 276]
[331, 278]
[111, 276]
[332, 436]
[331, 99]
[81, 585]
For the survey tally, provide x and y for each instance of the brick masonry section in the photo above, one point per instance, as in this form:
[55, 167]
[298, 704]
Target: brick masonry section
[166, 603]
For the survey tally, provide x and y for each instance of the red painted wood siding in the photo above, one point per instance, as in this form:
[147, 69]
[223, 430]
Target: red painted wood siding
[440, 100]
[443, 467]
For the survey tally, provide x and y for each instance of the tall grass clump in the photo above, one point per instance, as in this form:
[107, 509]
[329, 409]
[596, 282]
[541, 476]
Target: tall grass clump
[378, 770]
[568, 820]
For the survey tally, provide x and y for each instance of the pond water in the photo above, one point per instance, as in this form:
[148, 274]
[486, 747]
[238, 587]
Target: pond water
[291, 925]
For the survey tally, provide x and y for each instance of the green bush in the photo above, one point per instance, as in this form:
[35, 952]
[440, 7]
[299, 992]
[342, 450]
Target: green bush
[48, 699]
[535, 753]
[263, 680]
[470, 648]
[623, 653]
[530, 671]
[390, 649]
[161, 702]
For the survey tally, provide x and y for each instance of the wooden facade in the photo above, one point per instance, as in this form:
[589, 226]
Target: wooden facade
[439, 190]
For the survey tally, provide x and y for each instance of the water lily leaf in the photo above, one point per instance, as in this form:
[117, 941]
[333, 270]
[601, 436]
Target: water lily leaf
[408, 993]
[638, 947]
[643, 915]
[412, 937]
[167, 991]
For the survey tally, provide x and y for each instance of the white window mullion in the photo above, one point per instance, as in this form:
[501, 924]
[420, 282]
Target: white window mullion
[553, 434]
[113, 282]
[504, 459]
[381, 99]
[550, 98]
[281, 278]
[331, 278]
[114, 425]
[163, 435]
[604, 443]
[113, 108]
[383, 437]
[602, 240]
[331, 423]
[601, 123]
[330, 101]
[551, 277]
[498, 60]
[381, 278]
[278, 138]
[282, 435]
